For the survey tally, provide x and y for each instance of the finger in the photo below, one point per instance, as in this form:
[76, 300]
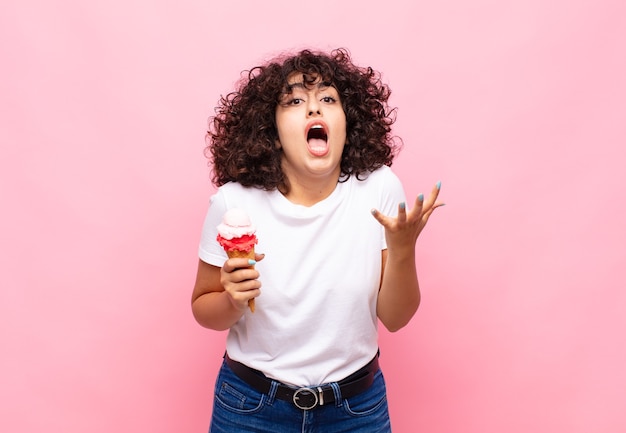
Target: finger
[434, 193]
[240, 281]
[383, 219]
[402, 212]
[379, 216]
[429, 212]
[419, 204]
[251, 293]
[242, 298]
[232, 265]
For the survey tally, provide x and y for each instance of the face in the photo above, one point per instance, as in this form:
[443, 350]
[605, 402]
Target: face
[311, 130]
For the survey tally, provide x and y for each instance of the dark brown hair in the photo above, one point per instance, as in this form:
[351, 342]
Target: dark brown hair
[241, 140]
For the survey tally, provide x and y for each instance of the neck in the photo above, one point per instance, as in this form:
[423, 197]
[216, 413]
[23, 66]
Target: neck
[308, 193]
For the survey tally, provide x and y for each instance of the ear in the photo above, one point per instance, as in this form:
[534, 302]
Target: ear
[277, 144]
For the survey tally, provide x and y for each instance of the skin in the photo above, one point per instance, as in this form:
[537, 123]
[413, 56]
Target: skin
[311, 177]
[220, 295]
[399, 295]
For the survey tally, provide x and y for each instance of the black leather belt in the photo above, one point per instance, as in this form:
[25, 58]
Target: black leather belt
[307, 398]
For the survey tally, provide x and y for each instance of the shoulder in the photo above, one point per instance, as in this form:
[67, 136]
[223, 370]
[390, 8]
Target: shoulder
[384, 174]
[384, 186]
[382, 177]
[234, 193]
[234, 188]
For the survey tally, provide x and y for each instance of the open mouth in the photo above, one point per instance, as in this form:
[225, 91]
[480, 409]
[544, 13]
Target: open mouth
[317, 140]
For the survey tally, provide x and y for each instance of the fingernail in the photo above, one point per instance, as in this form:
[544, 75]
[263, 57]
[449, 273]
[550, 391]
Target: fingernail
[420, 197]
[439, 185]
[374, 211]
[251, 262]
[403, 205]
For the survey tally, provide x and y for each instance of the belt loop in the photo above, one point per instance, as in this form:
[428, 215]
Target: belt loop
[337, 392]
[320, 395]
[271, 395]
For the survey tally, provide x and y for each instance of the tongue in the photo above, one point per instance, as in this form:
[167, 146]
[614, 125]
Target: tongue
[317, 146]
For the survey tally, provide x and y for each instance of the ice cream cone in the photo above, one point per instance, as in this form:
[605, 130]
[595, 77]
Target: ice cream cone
[236, 236]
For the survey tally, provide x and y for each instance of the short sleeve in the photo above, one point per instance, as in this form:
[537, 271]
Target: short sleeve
[210, 251]
[391, 195]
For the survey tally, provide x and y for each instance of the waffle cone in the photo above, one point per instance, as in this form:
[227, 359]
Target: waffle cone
[236, 254]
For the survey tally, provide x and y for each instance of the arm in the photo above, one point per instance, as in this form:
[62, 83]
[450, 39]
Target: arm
[220, 295]
[399, 295]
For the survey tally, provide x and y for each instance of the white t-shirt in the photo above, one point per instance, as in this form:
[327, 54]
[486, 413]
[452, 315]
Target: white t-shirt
[315, 320]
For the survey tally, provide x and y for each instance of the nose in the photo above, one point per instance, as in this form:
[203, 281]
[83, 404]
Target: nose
[314, 108]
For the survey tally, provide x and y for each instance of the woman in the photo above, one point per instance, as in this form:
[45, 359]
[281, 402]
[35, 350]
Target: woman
[304, 147]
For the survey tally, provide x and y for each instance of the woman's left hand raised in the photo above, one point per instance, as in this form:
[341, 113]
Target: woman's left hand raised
[402, 232]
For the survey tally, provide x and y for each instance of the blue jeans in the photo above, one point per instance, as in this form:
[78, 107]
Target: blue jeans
[238, 408]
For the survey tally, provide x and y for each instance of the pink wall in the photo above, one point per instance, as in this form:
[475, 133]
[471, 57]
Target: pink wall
[519, 107]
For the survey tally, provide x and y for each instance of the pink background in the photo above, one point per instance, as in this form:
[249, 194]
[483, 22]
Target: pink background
[518, 107]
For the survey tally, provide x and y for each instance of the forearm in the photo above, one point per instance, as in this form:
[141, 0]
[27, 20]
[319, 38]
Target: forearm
[214, 310]
[399, 295]
[210, 303]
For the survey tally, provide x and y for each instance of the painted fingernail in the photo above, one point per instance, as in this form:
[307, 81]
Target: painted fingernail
[374, 211]
[251, 262]
[439, 185]
[403, 205]
[420, 197]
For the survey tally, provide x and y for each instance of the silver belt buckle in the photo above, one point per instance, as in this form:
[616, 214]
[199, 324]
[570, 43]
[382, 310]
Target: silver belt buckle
[305, 399]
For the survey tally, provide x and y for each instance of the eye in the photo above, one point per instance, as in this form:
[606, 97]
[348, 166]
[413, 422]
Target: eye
[328, 99]
[295, 101]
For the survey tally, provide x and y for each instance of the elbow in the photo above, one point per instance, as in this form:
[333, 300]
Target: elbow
[393, 329]
[203, 318]
[395, 321]
[394, 326]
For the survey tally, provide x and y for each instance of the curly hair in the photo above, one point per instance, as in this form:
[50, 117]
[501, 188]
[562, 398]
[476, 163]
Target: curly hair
[241, 138]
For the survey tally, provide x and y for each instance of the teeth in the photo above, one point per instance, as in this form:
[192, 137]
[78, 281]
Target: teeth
[316, 127]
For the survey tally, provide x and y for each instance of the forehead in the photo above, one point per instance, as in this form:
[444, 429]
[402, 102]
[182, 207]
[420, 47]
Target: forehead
[304, 81]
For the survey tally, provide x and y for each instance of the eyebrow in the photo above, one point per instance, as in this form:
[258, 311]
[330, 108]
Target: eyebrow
[301, 85]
